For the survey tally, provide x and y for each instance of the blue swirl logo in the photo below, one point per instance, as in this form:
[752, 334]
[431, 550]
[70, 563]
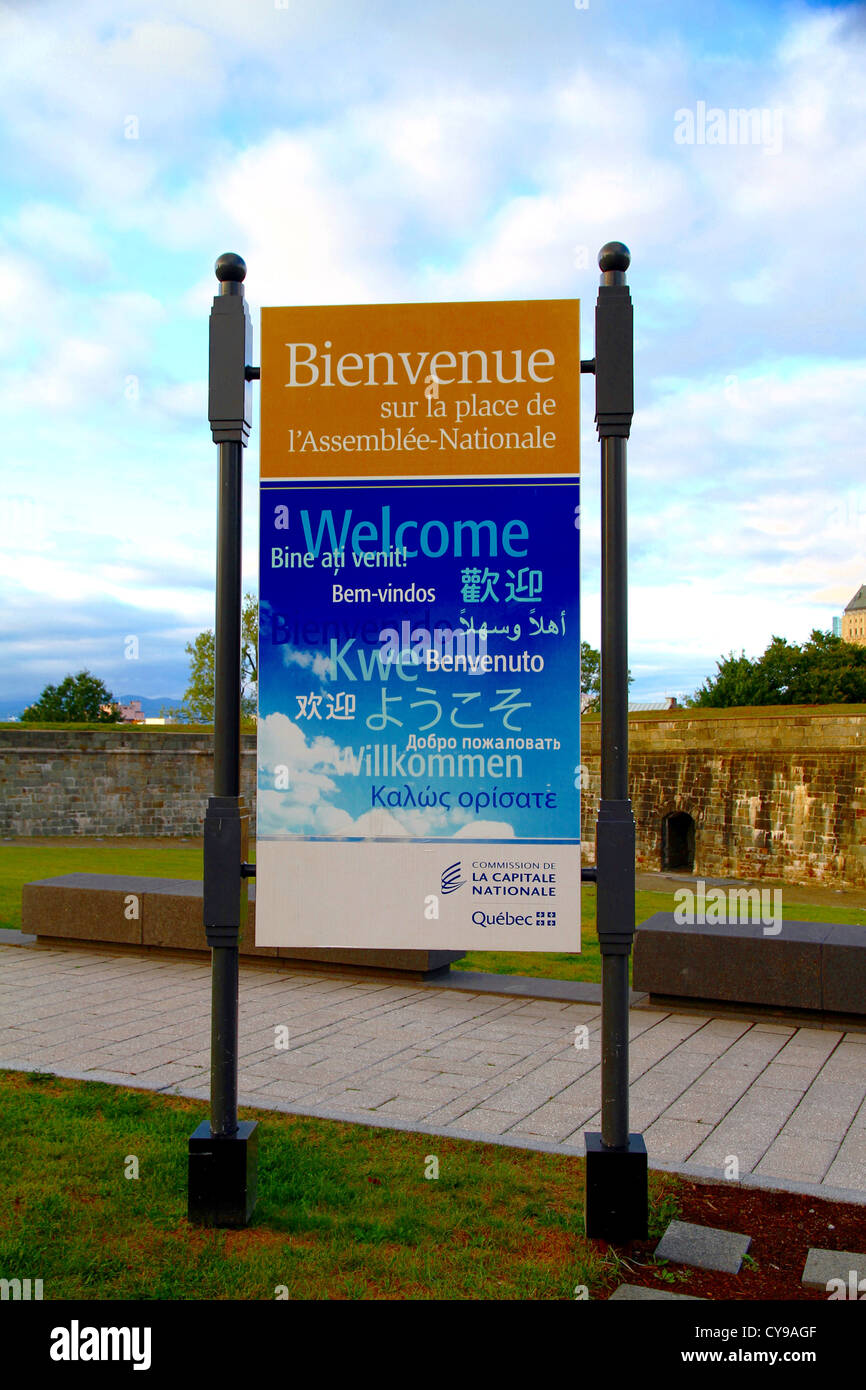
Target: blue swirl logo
[451, 879]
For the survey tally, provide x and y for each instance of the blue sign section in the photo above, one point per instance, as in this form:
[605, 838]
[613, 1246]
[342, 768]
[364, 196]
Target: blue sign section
[419, 660]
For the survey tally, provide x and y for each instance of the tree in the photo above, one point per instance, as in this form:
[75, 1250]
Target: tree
[590, 666]
[737, 681]
[81, 699]
[590, 679]
[824, 670]
[198, 698]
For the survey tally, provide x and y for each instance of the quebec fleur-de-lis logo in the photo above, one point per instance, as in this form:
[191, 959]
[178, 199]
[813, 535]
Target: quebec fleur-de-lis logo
[451, 879]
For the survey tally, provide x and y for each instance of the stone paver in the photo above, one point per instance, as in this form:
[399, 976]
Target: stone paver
[824, 1265]
[485, 1120]
[849, 1165]
[673, 1139]
[788, 1102]
[798, 1158]
[703, 1247]
[636, 1293]
[749, 1128]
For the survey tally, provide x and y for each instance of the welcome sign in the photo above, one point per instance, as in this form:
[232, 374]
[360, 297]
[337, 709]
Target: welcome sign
[419, 648]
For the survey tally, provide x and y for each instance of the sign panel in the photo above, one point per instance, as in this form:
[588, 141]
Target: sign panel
[419, 678]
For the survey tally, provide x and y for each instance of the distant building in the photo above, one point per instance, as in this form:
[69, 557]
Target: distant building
[669, 702]
[837, 627]
[132, 713]
[854, 619]
[635, 707]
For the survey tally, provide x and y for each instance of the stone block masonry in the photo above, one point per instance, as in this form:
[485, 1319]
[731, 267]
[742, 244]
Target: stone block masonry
[769, 792]
[114, 781]
[777, 792]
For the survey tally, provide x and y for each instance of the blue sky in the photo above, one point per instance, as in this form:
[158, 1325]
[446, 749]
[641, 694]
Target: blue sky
[354, 152]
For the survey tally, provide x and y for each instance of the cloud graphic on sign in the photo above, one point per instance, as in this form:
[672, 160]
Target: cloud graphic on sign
[485, 830]
[285, 755]
[315, 661]
[281, 743]
[305, 806]
[313, 768]
[278, 814]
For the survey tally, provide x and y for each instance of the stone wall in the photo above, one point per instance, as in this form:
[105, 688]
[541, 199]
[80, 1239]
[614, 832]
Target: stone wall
[109, 782]
[776, 792]
[772, 792]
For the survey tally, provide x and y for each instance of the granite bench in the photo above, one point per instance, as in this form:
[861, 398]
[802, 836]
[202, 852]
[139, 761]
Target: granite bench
[166, 914]
[809, 967]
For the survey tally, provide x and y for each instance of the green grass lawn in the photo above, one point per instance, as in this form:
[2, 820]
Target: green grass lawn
[21, 863]
[344, 1211]
[558, 966]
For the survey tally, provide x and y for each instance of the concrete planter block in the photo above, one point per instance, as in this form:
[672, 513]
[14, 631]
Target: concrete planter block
[85, 907]
[844, 969]
[740, 964]
[92, 907]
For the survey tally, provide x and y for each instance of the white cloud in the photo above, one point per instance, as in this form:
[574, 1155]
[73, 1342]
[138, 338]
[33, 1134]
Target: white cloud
[452, 151]
[81, 368]
[66, 239]
[72, 89]
[310, 765]
[282, 742]
[316, 662]
[485, 830]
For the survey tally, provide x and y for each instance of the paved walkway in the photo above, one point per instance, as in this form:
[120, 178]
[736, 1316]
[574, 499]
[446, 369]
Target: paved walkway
[788, 1102]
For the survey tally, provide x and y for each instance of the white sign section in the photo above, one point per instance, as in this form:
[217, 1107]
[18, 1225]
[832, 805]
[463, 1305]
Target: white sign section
[460, 895]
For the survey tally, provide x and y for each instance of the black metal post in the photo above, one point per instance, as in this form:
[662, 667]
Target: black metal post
[616, 1161]
[223, 1152]
[226, 781]
[227, 636]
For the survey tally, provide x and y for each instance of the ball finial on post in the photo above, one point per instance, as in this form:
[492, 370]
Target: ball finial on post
[614, 255]
[230, 266]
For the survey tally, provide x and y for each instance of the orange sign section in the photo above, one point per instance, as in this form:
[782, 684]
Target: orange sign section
[402, 390]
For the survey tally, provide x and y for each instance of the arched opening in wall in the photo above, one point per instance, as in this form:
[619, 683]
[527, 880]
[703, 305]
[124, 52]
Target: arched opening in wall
[678, 843]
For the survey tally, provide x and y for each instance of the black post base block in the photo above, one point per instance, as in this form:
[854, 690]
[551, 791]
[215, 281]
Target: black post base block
[222, 1176]
[617, 1194]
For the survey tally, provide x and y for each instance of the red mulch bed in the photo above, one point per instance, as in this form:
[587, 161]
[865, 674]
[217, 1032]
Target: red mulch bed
[783, 1225]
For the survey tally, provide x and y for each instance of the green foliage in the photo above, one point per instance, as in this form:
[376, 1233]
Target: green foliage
[590, 673]
[77, 699]
[198, 697]
[590, 678]
[823, 671]
[667, 1276]
[663, 1211]
[198, 700]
